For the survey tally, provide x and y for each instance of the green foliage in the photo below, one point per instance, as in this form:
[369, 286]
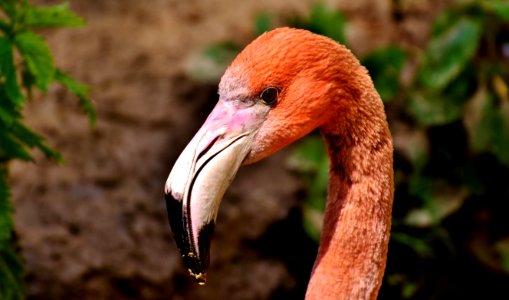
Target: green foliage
[222, 52]
[26, 63]
[53, 16]
[448, 53]
[37, 58]
[7, 69]
[80, 90]
[263, 23]
[11, 270]
[309, 160]
[488, 125]
[498, 8]
[5, 206]
[322, 20]
[386, 76]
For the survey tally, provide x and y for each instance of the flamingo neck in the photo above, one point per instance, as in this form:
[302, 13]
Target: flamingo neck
[353, 247]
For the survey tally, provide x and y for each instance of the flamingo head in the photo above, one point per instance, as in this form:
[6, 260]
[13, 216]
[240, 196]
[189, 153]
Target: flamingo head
[279, 88]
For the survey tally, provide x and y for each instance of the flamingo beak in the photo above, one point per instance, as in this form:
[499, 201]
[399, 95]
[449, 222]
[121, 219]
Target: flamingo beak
[202, 174]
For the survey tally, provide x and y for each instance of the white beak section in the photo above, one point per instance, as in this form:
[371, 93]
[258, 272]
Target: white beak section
[202, 174]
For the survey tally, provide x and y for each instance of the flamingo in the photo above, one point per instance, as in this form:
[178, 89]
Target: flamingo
[282, 86]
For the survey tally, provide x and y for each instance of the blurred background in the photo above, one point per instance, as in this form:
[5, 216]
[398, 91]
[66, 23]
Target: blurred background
[95, 226]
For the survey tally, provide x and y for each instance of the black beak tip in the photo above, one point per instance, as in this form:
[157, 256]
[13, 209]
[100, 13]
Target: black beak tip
[195, 268]
[174, 210]
[197, 265]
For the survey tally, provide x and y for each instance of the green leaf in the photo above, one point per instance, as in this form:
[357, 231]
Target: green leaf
[263, 23]
[5, 118]
[5, 27]
[311, 160]
[16, 137]
[11, 270]
[385, 67]
[9, 7]
[440, 199]
[5, 206]
[11, 274]
[502, 249]
[222, 52]
[11, 148]
[418, 245]
[308, 154]
[487, 125]
[445, 21]
[31, 139]
[328, 22]
[434, 109]
[8, 110]
[497, 7]
[408, 288]
[209, 64]
[449, 53]
[324, 21]
[8, 73]
[37, 57]
[81, 91]
[53, 16]
[8, 113]
[438, 108]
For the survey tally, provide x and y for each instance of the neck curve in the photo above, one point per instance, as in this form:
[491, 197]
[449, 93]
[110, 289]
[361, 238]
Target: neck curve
[353, 247]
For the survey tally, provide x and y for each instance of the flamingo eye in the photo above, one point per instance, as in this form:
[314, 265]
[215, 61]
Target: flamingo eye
[269, 95]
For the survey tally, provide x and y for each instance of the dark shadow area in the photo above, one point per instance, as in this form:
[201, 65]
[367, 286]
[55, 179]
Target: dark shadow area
[287, 241]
